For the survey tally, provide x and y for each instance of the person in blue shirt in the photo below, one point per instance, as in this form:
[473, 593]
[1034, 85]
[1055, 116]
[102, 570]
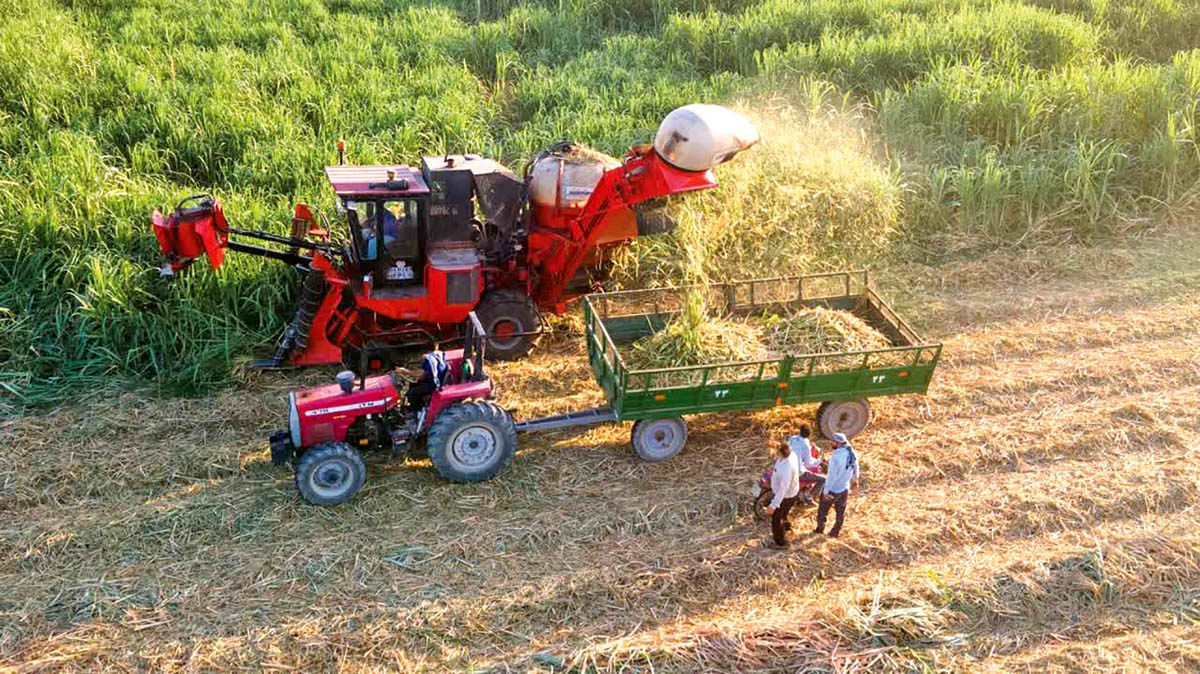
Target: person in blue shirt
[434, 374]
[391, 231]
[842, 474]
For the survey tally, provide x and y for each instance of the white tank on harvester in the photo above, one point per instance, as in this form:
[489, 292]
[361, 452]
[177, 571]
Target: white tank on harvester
[567, 177]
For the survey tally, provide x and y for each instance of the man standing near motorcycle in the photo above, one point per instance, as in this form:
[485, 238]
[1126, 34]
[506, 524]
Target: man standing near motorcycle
[785, 483]
[811, 478]
[843, 473]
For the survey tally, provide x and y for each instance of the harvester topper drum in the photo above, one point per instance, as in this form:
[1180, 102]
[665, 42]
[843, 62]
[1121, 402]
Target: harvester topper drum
[426, 246]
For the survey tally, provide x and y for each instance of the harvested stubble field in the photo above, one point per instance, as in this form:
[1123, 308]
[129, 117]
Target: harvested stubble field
[1036, 512]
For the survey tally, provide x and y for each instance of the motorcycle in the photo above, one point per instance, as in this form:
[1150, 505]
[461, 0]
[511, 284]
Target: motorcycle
[811, 490]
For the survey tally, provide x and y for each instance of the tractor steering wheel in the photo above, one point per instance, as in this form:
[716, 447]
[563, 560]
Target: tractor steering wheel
[406, 375]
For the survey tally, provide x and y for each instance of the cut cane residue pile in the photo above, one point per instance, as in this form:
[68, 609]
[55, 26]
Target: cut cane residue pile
[818, 330]
[711, 341]
[723, 340]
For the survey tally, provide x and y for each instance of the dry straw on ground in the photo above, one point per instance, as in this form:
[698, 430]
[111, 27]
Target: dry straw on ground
[1035, 512]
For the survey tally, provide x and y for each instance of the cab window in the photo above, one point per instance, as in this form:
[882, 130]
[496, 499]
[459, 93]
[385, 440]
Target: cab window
[400, 222]
[361, 215]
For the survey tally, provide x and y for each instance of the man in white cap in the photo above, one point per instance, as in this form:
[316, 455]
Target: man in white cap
[842, 474]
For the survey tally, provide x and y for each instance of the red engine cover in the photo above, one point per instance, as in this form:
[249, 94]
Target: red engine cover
[326, 412]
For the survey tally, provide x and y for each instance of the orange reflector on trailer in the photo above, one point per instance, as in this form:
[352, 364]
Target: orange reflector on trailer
[902, 374]
[782, 384]
[659, 397]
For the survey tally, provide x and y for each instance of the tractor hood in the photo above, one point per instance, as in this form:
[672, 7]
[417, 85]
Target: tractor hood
[332, 400]
[325, 413]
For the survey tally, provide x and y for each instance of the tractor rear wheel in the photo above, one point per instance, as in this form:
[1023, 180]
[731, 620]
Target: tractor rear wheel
[330, 473]
[472, 442]
[657, 440]
[505, 315]
[849, 417]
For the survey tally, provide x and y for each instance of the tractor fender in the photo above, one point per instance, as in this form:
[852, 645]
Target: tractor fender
[450, 394]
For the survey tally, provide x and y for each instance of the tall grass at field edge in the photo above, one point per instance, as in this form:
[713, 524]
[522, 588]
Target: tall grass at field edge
[894, 125]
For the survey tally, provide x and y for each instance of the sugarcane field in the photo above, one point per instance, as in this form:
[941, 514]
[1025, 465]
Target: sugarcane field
[600, 336]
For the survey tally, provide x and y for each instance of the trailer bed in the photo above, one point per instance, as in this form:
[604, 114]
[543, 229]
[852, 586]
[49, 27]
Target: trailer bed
[617, 319]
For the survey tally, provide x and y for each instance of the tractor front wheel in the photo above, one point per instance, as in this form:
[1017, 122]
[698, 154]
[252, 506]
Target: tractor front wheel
[506, 315]
[659, 439]
[849, 417]
[330, 473]
[472, 442]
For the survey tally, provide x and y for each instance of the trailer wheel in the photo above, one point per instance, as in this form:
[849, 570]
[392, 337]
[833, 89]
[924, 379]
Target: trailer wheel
[472, 442]
[505, 314]
[330, 473]
[657, 440]
[849, 417]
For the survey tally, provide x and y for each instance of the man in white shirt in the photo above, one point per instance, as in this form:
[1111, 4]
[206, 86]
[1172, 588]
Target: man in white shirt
[810, 464]
[843, 473]
[786, 485]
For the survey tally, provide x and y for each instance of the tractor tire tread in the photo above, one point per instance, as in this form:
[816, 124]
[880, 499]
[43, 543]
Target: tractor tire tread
[320, 452]
[455, 416]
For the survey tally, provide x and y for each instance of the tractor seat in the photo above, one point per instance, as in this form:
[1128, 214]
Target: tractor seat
[397, 292]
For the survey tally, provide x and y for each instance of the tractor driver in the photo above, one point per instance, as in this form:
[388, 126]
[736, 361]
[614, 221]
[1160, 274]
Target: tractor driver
[434, 373]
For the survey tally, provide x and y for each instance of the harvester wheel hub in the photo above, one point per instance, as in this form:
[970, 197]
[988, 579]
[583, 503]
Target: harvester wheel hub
[502, 331]
[473, 445]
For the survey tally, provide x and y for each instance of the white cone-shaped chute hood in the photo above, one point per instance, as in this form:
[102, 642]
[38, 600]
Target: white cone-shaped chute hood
[697, 137]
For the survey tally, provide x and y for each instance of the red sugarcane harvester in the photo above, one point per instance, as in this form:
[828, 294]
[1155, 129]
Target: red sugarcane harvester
[426, 247]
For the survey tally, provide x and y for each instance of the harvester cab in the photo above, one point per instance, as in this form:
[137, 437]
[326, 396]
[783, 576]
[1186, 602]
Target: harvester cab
[463, 233]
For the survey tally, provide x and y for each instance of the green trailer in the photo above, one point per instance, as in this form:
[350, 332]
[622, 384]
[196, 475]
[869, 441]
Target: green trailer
[657, 400]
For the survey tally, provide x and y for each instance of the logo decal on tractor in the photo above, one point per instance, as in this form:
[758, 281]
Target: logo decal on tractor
[344, 408]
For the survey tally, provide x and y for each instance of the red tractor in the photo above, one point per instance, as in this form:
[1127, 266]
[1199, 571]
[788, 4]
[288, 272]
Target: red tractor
[426, 247]
[468, 437]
